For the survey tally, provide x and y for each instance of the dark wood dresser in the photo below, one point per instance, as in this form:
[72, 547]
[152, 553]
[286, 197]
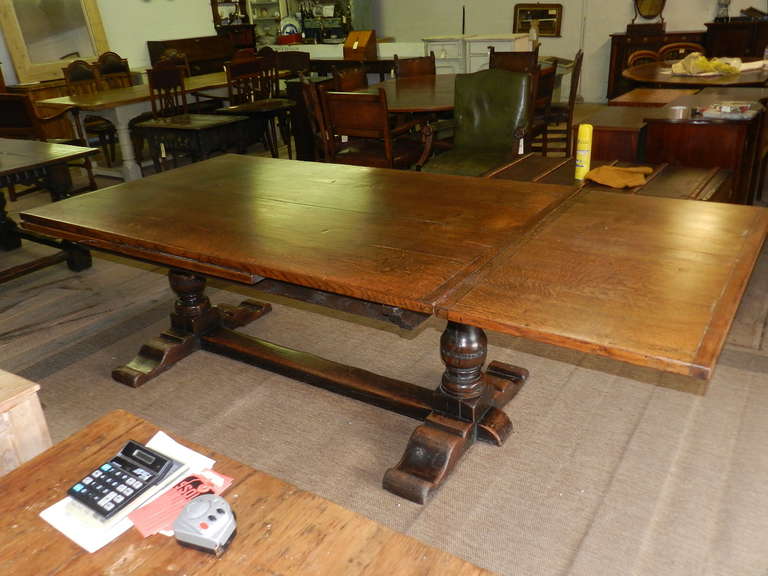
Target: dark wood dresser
[737, 38]
[205, 54]
[623, 45]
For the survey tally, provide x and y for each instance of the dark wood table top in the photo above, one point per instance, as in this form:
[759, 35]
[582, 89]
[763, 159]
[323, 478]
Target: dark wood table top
[281, 529]
[20, 155]
[140, 93]
[390, 236]
[418, 93]
[650, 97]
[648, 280]
[661, 73]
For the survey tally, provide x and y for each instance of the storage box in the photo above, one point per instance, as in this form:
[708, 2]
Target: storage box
[360, 45]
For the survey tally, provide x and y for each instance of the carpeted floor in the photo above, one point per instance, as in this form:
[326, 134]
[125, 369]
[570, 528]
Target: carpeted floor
[612, 469]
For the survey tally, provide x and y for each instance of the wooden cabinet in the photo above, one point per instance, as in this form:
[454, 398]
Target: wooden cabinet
[738, 39]
[23, 430]
[623, 45]
[469, 53]
[205, 54]
[232, 19]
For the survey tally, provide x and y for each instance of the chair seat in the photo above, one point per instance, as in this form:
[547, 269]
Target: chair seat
[557, 115]
[469, 162]
[365, 152]
[97, 125]
[190, 122]
[267, 105]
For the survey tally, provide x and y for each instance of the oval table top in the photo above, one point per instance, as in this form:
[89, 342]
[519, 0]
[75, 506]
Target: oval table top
[418, 93]
[661, 73]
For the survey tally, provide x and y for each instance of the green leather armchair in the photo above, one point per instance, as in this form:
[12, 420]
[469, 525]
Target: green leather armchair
[492, 113]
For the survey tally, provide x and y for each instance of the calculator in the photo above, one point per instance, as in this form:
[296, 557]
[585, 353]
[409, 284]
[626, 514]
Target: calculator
[117, 483]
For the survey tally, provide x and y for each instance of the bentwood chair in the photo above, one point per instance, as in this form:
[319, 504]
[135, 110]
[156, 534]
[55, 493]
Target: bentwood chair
[19, 119]
[642, 57]
[678, 50]
[492, 118]
[350, 78]
[419, 66]
[364, 119]
[559, 119]
[174, 131]
[252, 85]
[82, 78]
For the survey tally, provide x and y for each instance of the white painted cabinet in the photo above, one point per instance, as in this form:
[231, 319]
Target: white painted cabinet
[469, 53]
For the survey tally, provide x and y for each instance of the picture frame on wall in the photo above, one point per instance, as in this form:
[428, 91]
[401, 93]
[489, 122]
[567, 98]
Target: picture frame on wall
[549, 18]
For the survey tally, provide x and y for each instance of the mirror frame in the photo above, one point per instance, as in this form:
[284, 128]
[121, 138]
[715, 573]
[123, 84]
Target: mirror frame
[28, 71]
[652, 15]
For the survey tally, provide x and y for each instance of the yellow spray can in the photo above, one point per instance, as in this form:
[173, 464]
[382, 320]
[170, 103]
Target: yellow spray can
[583, 151]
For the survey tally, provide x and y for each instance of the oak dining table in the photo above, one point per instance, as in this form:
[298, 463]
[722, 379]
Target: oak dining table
[121, 105]
[660, 74]
[650, 281]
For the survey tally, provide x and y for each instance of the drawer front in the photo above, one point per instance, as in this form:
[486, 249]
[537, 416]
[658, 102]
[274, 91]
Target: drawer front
[479, 48]
[448, 49]
[449, 66]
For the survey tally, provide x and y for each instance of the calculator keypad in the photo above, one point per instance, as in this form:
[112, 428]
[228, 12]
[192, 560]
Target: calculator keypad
[110, 487]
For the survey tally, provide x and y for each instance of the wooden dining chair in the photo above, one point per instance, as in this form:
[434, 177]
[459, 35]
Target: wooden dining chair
[82, 78]
[114, 71]
[364, 119]
[542, 108]
[20, 120]
[522, 61]
[294, 62]
[419, 66]
[174, 131]
[642, 57]
[252, 86]
[559, 119]
[349, 79]
[678, 50]
[321, 137]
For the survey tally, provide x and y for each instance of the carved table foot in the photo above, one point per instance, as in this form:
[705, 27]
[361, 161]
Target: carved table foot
[193, 317]
[466, 407]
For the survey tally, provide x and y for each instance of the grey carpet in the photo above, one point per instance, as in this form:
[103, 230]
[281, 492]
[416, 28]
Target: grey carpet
[612, 469]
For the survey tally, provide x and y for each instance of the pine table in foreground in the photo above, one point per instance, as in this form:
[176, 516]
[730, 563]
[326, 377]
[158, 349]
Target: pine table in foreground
[652, 281]
[281, 529]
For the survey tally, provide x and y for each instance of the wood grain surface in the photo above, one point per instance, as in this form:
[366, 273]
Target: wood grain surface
[139, 93]
[281, 529]
[418, 93]
[660, 73]
[389, 236]
[19, 155]
[652, 281]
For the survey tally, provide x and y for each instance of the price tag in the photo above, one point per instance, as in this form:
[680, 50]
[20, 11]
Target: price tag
[354, 46]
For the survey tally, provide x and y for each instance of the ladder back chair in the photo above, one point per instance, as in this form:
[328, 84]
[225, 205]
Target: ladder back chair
[82, 78]
[562, 114]
[321, 137]
[251, 86]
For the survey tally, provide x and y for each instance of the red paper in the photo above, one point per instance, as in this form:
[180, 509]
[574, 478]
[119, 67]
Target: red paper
[160, 513]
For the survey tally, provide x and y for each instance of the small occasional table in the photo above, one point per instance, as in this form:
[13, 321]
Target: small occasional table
[27, 162]
[281, 529]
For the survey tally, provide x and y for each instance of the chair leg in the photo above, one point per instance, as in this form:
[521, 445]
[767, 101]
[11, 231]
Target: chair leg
[285, 131]
[12, 192]
[271, 137]
[89, 170]
[112, 152]
[105, 148]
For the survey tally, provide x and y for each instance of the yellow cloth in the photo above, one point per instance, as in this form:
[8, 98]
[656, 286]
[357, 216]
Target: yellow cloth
[618, 177]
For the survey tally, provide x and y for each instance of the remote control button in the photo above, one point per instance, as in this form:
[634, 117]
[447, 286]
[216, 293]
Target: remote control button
[212, 518]
[128, 491]
[203, 526]
[137, 484]
[87, 481]
[97, 474]
[119, 498]
[196, 508]
[78, 487]
[220, 511]
[106, 467]
[108, 506]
